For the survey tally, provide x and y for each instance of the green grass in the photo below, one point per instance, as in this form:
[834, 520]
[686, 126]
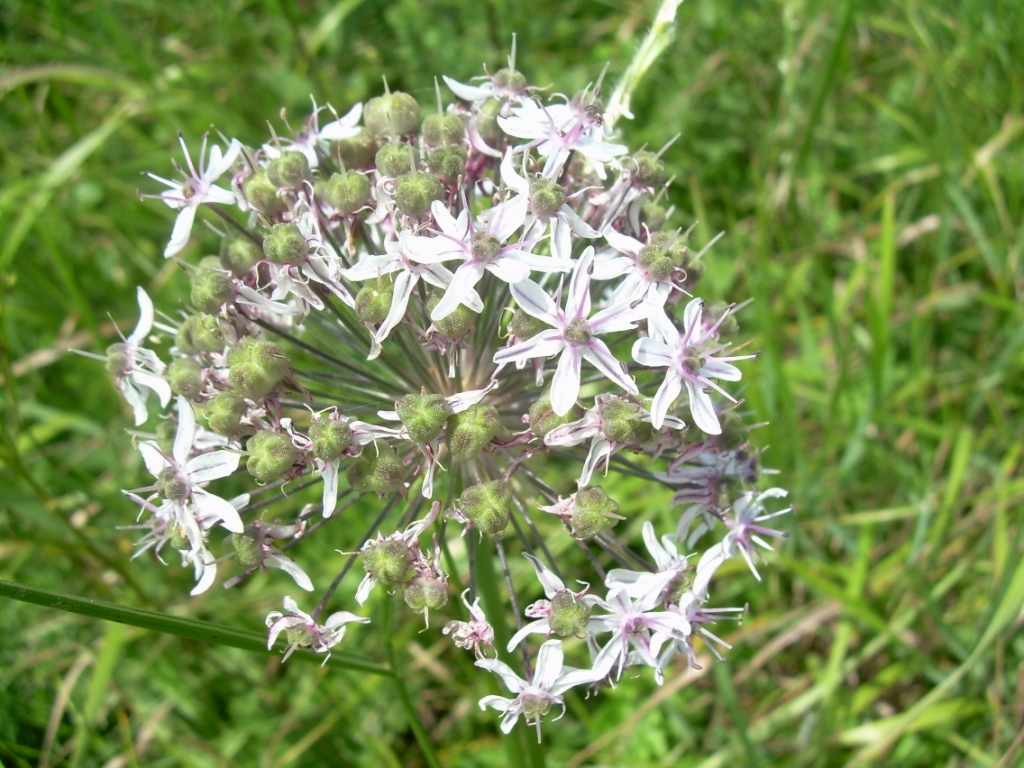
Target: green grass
[866, 161]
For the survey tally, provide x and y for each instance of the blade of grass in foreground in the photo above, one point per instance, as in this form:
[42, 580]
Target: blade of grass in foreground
[193, 629]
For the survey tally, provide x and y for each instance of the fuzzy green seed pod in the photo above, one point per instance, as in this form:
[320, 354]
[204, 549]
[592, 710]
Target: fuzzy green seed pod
[373, 302]
[331, 438]
[468, 432]
[183, 336]
[348, 192]
[414, 192]
[648, 169]
[676, 244]
[170, 487]
[423, 415]
[569, 614]
[442, 130]
[486, 122]
[118, 359]
[289, 170]
[543, 418]
[393, 114]
[657, 261]
[179, 538]
[185, 376]
[593, 512]
[487, 505]
[211, 290]
[240, 254]
[653, 215]
[286, 244]
[456, 325]
[300, 636]
[248, 547]
[448, 163]
[206, 334]
[388, 561]
[355, 153]
[261, 193]
[423, 594]
[695, 272]
[621, 420]
[257, 367]
[510, 80]
[546, 198]
[396, 158]
[524, 326]
[224, 413]
[377, 470]
[270, 455]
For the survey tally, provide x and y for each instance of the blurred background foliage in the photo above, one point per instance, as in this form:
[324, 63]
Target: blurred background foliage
[866, 162]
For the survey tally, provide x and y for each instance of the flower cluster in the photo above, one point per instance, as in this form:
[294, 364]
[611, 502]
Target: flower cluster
[414, 308]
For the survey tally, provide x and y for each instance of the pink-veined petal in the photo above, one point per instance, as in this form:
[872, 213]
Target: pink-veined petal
[549, 664]
[181, 232]
[577, 303]
[211, 466]
[703, 409]
[535, 301]
[541, 626]
[715, 369]
[464, 280]
[663, 399]
[511, 178]
[512, 681]
[653, 354]
[207, 503]
[145, 323]
[185, 437]
[547, 579]
[565, 384]
[598, 355]
[290, 567]
[153, 457]
[330, 478]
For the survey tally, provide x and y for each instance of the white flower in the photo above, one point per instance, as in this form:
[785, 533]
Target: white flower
[638, 584]
[472, 634]
[302, 632]
[744, 528]
[535, 697]
[574, 335]
[689, 362]
[197, 188]
[542, 608]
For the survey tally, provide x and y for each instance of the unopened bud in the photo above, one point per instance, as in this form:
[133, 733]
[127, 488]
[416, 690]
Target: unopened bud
[288, 170]
[378, 469]
[487, 505]
[468, 432]
[185, 376]
[261, 193]
[206, 334]
[240, 254]
[257, 367]
[423, 416]
[593, 512]
[373, 302]
[211, 290]
[457, 324]
[414, 192]
[396, 158]
[388, 561]
[510, 80]
[648, 169]
[183, 336]
[331, 438]
[393, 114]
[622, 421]
[355, 153]
[424, 594]
[448, 163]
[543, 418]
[286, 244]
[348, 192]
[546, 198]
[224, 413]
[270, 455]
[248, 547]
[442, 130]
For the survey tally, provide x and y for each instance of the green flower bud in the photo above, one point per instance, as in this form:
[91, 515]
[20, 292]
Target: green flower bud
[183, 336]
[211, 290]
[546, 198]
[448, 163]
[487, 505]
[355, 153]
[657, 261]
[510, 80]
[396, 158]
[261, 193]
[414, 192]
[256, 367]
[224, 413]
[569, 614]
[423, 594]
[653, 215]
[388, 561]
[373, 302]
[185, 376]
[621, 421]
[423, 415]
[170, 487]
[248, 547]
[456, 325]
[240, 254]
[442, 130]
[468, 432]
[289, 170]
[377, 470]
[118, 359]
[286, 244]
[206, 334]
[593, 512]
[487, 122]
[393, 114]
[648, 170]
[331, 437]
[524, 326]
[348, 192]
[543, 418]
[270, 455]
